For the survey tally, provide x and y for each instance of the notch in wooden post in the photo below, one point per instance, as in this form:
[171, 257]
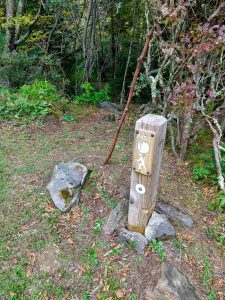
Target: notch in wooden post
[148, 145]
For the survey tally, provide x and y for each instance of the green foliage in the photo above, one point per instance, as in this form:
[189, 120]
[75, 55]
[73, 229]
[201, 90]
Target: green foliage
[107, 198]
[216, 232]
[132, 245]
[92, 257]
[30, 102]
[206, 279]
[157, 247]
[117, 250]
[200, 172]
[91, 96]
[69, 118]
[39, 91]
[17, 68]
[98, 226]
[206, 168]
[218, 203]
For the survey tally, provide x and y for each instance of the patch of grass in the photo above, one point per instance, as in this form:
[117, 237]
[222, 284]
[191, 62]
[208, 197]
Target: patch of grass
[107, 198]
[180, 246]
[88, 276]
[117, 250]
[37, 244]
[92, 257]
[112, 285]
[207, 277]
[13, 281]
[86, 210]
[216, 232]
[53, 218]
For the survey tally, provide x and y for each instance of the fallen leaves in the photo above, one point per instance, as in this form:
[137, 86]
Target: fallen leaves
[120, 294]
[28, 272]
[32, 256]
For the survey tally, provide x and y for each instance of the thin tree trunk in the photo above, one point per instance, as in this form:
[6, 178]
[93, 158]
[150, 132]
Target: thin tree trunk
[19, 13]
[217, 154]
[185, 132]
[10, 30]
[122, 97]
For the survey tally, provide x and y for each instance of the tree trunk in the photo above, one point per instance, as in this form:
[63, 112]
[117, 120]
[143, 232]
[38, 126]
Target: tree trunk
[19, 13]
[185, 132]
[10, 29]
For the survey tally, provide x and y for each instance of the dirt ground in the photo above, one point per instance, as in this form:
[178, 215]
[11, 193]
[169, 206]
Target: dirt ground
[49, 255]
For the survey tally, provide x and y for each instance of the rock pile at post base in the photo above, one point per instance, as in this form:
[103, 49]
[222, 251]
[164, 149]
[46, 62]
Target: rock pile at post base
[66, 183]
[158, 226]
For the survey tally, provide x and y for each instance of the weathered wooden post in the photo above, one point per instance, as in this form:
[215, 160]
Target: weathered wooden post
[150, 132]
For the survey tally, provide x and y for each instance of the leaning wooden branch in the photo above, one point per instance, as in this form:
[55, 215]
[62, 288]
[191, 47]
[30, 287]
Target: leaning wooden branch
[136, 74]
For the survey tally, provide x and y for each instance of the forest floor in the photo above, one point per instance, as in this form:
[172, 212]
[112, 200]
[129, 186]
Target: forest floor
[45, 254]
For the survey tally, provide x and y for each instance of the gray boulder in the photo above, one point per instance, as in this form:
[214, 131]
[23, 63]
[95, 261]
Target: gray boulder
[159, 227]
[109, 106]
[172, 285]
[115, 217]
[128, 236]
[173, 213]
[66, 183]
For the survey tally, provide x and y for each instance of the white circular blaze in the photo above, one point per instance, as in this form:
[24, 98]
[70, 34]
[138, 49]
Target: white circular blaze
[140, 188]
[143, 147]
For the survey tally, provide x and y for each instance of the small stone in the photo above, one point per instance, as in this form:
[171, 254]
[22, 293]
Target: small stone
[115, 217]
[159, 227]
[66, 183]
[128, 236]
[173, 213]
[171, 285]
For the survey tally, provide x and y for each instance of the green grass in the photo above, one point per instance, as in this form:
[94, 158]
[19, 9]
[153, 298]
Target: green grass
[30, 225]
[27, 158]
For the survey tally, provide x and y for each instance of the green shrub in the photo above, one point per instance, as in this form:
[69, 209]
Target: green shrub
[17, 68]
[30, 102]
[91, 96]
[20, 67]
[206, 168]
[218, 202]
[40, 91]
[216, 232]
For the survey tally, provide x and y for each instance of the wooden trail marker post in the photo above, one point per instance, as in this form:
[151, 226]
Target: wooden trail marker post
[149, 138]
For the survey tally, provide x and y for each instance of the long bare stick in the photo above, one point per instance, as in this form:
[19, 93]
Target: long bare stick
[136, 74]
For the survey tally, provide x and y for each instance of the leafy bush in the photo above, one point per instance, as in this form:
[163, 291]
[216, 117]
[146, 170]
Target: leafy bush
[206, 168]
[157, 247]
[91, 96]
[216, 232]
[17, 68]
[30, 102]
[39, 91]
[218, 203]
[200, 172]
